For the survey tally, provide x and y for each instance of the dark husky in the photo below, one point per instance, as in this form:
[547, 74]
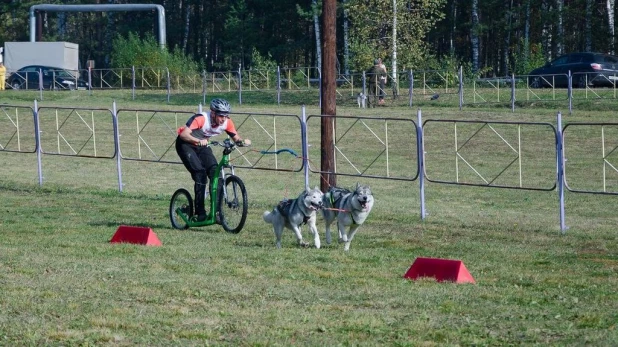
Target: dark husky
[292, 214]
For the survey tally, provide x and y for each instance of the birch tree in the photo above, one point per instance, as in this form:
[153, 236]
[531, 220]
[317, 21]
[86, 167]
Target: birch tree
[560, 28]
[610, 22]
[394, 79]
[588, 26]
[185, 37]
[316, 25]
[546, 32]
[527, 32]
[346, 39]
[474, 35]
[508, 15]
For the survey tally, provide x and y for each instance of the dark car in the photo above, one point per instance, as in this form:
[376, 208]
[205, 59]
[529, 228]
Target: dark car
[52, 78]
[587, 69]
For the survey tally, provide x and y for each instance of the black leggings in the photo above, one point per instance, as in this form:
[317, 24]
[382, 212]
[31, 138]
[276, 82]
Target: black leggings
[201, 164]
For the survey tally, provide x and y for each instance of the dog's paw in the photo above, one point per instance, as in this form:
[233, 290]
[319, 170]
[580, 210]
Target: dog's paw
[303, 244]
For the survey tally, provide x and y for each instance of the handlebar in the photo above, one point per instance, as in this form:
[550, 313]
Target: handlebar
[227, 143]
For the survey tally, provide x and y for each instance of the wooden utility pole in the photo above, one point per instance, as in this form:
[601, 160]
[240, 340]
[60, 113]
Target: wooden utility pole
[329, 85]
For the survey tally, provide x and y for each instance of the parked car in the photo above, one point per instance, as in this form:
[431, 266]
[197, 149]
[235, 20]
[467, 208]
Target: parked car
[52, 78]
[587, 69]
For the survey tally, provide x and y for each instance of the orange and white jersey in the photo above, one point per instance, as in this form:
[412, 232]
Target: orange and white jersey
[202, 127]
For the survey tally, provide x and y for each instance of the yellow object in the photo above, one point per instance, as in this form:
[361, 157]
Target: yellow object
[2, 76]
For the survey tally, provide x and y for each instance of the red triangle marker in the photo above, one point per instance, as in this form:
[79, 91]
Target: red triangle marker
[440, 269]
[139, 235]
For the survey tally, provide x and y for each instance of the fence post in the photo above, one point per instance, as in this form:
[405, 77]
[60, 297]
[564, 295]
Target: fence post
[461, 91]
[512, 92]
[278, 85]
[411, 87]
[37, 141]
[204, 86]
[239, 86]
[570, 92]
[560, 171]
[421, 160]
[303, 137]
[89, 80]
[133, 81]
[40, 83]
[117, 144]
[169, 85]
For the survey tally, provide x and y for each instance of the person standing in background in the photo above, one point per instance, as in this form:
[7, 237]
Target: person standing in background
[383, 81]
[2, 75]
[377, 79]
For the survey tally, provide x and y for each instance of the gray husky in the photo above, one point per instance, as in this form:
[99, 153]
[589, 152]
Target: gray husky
[349, 208]
[361, 100]
[292, 214]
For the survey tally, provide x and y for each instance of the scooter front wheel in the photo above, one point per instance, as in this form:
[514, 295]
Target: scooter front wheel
[181, 205]
[233, 204]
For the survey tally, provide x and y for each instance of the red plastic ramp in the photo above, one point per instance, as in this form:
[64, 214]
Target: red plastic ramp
[138, 235]
[440, 269]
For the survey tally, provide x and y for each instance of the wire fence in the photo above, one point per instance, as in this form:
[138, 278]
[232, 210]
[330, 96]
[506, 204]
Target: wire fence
[302, 85]
[497, 154]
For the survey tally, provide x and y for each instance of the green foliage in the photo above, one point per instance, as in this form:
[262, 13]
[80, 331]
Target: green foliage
[260, 62]
[299, 77]
[372, 27]
[362, 56]
[239, 38]
[315, 9]
[134, 51]
[522, 64]
[452, 64]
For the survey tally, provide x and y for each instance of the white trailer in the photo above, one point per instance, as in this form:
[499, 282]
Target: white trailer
[64, 55]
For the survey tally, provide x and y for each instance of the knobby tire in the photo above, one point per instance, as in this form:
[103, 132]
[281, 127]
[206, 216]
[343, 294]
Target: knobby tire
[233, 204]
[181, 199]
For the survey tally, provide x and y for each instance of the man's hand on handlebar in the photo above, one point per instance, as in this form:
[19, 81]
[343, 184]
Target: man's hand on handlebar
[243, 143]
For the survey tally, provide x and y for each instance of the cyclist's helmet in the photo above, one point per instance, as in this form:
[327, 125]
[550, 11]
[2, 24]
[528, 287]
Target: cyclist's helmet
[220, 106]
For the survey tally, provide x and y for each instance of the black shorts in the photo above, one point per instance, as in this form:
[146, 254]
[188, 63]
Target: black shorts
[196, 158]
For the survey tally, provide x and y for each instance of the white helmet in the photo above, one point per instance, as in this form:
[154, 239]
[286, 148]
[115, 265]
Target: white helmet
[220, 106]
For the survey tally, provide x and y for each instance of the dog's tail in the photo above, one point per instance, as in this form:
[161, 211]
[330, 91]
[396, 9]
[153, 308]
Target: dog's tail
[268, 218]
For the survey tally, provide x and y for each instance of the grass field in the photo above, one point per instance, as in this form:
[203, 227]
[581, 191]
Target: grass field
[63, 283]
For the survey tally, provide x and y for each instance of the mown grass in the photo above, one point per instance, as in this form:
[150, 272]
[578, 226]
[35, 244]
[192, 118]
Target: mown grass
[599, 99]
[63, 283]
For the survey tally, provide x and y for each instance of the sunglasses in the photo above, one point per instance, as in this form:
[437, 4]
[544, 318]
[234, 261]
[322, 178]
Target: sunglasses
[226, 115]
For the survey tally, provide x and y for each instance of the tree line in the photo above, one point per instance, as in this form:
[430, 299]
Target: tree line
[487, 38]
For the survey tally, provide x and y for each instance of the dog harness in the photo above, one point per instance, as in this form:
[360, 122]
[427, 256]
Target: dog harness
[340, 192]
[338, 201]
[284, 207]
